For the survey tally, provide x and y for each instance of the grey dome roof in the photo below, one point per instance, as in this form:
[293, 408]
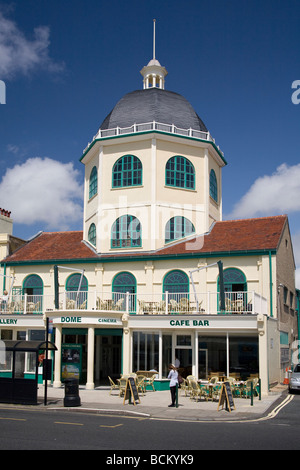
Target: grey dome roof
[153, 104]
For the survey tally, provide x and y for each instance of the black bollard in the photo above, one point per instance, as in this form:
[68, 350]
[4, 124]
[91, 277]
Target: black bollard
[72, 397]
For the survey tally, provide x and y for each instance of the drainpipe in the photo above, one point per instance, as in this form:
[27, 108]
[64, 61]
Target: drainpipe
[4, 277]
[298, 319]
[271, 284]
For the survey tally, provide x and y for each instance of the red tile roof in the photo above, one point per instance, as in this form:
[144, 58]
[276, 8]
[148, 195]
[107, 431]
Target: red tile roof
[234, 235]
[53, 245]
[225, 237]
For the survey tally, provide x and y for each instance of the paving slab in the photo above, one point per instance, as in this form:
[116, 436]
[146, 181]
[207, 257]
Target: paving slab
[155, 405]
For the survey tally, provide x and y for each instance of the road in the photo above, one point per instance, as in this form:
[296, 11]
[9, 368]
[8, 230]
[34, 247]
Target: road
[31, 429]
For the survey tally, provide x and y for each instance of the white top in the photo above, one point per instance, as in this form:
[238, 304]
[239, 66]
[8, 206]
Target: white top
[173, 376]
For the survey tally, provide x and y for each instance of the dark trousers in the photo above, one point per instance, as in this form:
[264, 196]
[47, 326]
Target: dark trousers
[173, 394]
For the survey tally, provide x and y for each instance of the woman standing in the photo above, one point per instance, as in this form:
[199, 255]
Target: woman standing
[173, 376]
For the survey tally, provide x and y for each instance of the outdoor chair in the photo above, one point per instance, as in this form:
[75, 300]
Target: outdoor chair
[122, 385]
[228, 305]
[173, 306]
[113, 386]
[191, 377]
[141, 308]
[162, 306]
[70, 304]
[255, 386]
[141, 384]
[184, 387]
[214, 379]
[246, 389]
[184, 305]
[196, 391]
[150, 382]
[216, 392]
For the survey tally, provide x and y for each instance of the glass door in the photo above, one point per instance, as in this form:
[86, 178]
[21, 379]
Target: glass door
[203, 363]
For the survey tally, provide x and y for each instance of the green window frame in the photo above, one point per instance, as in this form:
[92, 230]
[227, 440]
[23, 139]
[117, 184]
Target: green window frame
[92, 234]
[127, 171]
[93, 188]
[234, 279]
[178, 227]
[180, 173]
[213, 186]
[122, 283]
[126, 232]
[77, 299]
[72, 283]
[176, 282]
[33, 285]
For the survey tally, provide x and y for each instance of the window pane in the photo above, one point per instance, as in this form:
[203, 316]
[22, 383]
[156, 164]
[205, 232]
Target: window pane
[127, 171]
[126, 232]
[180, 173]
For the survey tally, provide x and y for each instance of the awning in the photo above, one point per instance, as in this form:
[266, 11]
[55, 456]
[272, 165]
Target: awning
[29, 346]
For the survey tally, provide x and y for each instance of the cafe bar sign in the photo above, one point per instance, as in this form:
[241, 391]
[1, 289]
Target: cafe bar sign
[189, 323]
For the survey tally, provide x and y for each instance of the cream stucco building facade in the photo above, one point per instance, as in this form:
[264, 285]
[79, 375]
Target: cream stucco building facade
[140, 285]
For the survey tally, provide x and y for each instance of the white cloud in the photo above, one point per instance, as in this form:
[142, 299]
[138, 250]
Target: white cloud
[271, 194]
[278, 193]
[296, 246]
[21, 55]
[45, 191]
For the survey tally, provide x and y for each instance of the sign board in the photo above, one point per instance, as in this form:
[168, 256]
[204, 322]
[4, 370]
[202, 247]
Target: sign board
[226, 397]
[131, 391]
[47, 369]
[71, 361]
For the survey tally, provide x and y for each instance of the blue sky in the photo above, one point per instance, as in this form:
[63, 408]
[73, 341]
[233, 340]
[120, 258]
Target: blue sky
[65, 64]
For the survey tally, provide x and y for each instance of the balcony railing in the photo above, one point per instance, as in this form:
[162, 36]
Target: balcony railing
[152, 126]
[156, 304]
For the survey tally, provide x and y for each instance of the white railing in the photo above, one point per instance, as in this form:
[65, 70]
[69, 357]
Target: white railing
[27, 304]
[152, 126]
[203, 303]
[156, 304]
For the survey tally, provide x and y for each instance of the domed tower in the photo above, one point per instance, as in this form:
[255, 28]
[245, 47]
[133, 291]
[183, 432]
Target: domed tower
[152, 172]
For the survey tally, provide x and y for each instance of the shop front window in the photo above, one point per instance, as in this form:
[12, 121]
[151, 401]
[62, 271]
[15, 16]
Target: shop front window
[211, 356]
[166, 354]
[243, 357]
[145, 351]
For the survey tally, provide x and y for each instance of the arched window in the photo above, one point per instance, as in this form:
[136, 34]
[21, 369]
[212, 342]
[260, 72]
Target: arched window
[92, 234]
[180, 173]
[33, 285]
[126, 232]
[234, 280]
[77, 288]
[93, 183]
[176, 282]
[235, 286]
[127, 171]
[73, 282]
[122, 283]
[178, 227]
[213, 185]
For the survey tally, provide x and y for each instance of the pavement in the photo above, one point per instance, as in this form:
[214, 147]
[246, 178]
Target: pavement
[154, 405]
